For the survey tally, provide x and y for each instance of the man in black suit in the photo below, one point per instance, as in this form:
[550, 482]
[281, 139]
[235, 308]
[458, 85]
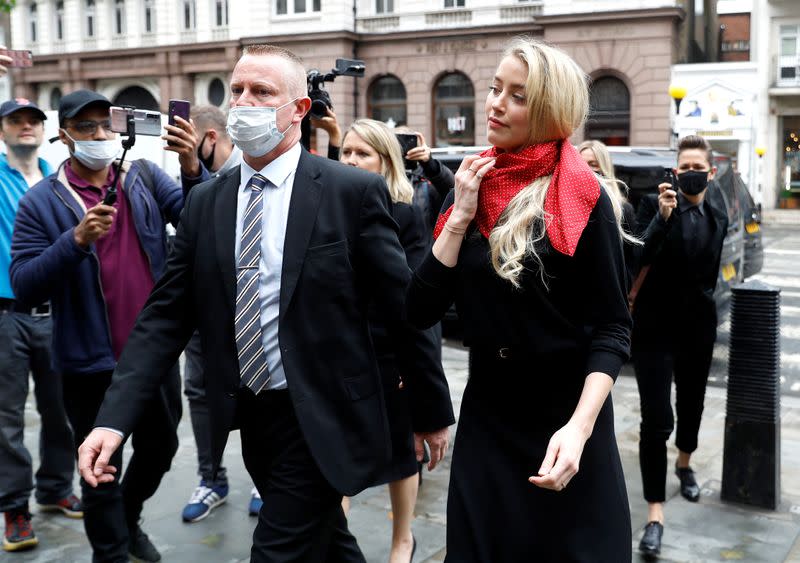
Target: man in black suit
[675, 322]
[275, 262]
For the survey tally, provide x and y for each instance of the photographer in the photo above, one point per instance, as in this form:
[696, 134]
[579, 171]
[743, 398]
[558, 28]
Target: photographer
[97, 264]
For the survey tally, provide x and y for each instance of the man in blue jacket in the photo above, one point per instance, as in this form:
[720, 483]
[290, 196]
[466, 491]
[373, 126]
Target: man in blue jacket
[25, 331]
[96, 263]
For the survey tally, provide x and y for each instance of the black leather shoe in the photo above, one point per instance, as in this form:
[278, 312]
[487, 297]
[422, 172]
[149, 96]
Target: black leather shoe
[650, 546]
[141, 548]
[689, 488]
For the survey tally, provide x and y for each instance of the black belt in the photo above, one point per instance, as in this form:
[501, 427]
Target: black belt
[42, 310]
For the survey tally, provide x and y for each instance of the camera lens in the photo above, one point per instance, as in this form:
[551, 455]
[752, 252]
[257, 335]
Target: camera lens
[319, 108]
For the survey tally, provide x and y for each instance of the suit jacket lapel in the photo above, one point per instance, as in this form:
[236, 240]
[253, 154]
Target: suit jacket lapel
[225, 230]
[306, 194]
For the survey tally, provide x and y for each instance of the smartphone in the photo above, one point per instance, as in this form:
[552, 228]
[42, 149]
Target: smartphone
[20, 58]
[669, 176]
[146, 122]
[181, 109]
[407, 142]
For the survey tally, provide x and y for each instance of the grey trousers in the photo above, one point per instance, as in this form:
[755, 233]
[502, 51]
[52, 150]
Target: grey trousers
[195, 391]
[24, 350]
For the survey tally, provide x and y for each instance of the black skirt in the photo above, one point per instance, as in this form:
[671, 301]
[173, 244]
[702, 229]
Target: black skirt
[510, 410]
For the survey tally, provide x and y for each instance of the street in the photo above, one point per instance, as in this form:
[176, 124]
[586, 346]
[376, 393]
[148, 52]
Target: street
[711, 530]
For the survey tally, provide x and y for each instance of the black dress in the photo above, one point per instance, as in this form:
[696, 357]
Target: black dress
[414, 386]
[530, 351]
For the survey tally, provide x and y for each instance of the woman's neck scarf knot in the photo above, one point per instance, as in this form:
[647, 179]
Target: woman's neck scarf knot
[570, 199]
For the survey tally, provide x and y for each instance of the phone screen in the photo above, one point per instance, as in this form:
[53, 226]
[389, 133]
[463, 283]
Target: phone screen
[407, 142]
[19, 58]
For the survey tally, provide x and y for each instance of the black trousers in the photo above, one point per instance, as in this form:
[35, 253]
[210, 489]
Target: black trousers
[112, 509]
[658, 355]
[301, 519]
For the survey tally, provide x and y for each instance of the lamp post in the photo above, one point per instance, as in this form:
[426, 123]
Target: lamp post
[677, 93]
[760, 151]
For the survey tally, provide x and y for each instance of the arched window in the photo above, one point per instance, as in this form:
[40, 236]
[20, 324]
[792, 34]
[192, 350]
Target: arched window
[387, 100]
[90, 18]
[137, 97]
[221, 13]
[55, 98]
[609, 111]
[119, 17]
[454, 111]
[58, 20]
[216, 92]
[149, 19]
[34, 21]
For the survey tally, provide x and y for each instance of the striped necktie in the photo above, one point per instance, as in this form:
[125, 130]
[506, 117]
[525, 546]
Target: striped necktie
[252, 359]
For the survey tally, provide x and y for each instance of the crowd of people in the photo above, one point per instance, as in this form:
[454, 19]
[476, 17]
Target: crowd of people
[306, 293]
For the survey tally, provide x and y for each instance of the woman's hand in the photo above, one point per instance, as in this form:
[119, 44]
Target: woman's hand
[420, 153]
[563, 457]
[468, 181]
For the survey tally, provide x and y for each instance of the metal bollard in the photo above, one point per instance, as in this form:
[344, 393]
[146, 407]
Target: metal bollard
[751, 467]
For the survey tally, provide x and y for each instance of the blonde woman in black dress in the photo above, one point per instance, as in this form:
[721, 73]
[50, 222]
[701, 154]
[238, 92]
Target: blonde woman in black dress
[530, 249]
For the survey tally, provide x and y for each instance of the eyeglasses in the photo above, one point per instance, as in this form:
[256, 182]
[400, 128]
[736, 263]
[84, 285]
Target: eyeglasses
[90, 127]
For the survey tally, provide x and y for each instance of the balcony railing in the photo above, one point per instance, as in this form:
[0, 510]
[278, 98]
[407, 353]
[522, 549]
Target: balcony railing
[787, 71]
[189, 36]
[220, 33]
[379, 24]
[448, 18]
[90, 43]
[119, 41]
[513, 14]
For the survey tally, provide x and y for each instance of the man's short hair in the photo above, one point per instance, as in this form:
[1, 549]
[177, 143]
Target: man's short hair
[690, 142]
[296, 81]
[207, 117]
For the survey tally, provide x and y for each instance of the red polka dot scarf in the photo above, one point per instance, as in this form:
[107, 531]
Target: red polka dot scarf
[572, 194]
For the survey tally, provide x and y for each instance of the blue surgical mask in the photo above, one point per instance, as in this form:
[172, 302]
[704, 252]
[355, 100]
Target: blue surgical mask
[95, 155]
[255, 129]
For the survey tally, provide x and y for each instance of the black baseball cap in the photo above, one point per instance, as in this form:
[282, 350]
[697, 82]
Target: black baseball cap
[72, 104]
[17, 104]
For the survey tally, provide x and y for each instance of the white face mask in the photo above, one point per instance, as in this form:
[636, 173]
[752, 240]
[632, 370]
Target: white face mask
[255, 129]
[95, 155]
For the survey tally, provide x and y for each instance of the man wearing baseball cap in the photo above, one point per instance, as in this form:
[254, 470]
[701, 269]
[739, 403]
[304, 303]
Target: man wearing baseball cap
[25, 333]
[97, 260]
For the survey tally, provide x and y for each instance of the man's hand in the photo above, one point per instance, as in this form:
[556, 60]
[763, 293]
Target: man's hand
[330, 125]
[667, 200]
[422, 152]
[437, 442]
[94, 225]
[94, 455]
[182, 139]
[4, 60]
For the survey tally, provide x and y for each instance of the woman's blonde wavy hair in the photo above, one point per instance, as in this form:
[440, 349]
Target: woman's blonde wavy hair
[377, 135]
[557, 97]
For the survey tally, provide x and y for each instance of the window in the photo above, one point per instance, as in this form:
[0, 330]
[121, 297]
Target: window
[789, 58]
[55, 98]
[137, 97]
[454, 3]
[34, 21]
[221, 13]
[119, 17]
[384, 6]
[386, 98]
[216, 92]
[609, 111]
[284, 7]
[58, 20]
[454, 111]
[188, 15]
[90, 18]
[149, 18]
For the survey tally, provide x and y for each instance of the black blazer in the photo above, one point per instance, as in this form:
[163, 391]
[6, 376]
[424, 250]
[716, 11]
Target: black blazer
[341, 253]
[669, 277]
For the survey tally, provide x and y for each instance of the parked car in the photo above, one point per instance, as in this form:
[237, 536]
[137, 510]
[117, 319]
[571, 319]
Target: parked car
[642, 169]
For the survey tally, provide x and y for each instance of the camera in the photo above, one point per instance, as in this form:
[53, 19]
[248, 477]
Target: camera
[320, 98]
[407, 142]
[146, 122]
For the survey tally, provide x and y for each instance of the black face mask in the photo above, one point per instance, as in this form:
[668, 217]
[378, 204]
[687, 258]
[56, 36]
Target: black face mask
[207, 161]
[692, 182]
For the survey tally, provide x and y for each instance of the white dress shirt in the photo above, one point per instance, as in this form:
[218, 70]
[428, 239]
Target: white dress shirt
[277, 195]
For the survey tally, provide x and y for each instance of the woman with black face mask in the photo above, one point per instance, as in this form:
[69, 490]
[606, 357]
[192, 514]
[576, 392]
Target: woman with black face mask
[675, 323]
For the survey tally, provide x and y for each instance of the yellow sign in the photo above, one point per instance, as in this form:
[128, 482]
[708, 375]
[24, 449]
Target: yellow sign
[752, 228]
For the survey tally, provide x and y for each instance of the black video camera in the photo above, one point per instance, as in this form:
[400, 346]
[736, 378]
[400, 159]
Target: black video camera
[320, 98]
